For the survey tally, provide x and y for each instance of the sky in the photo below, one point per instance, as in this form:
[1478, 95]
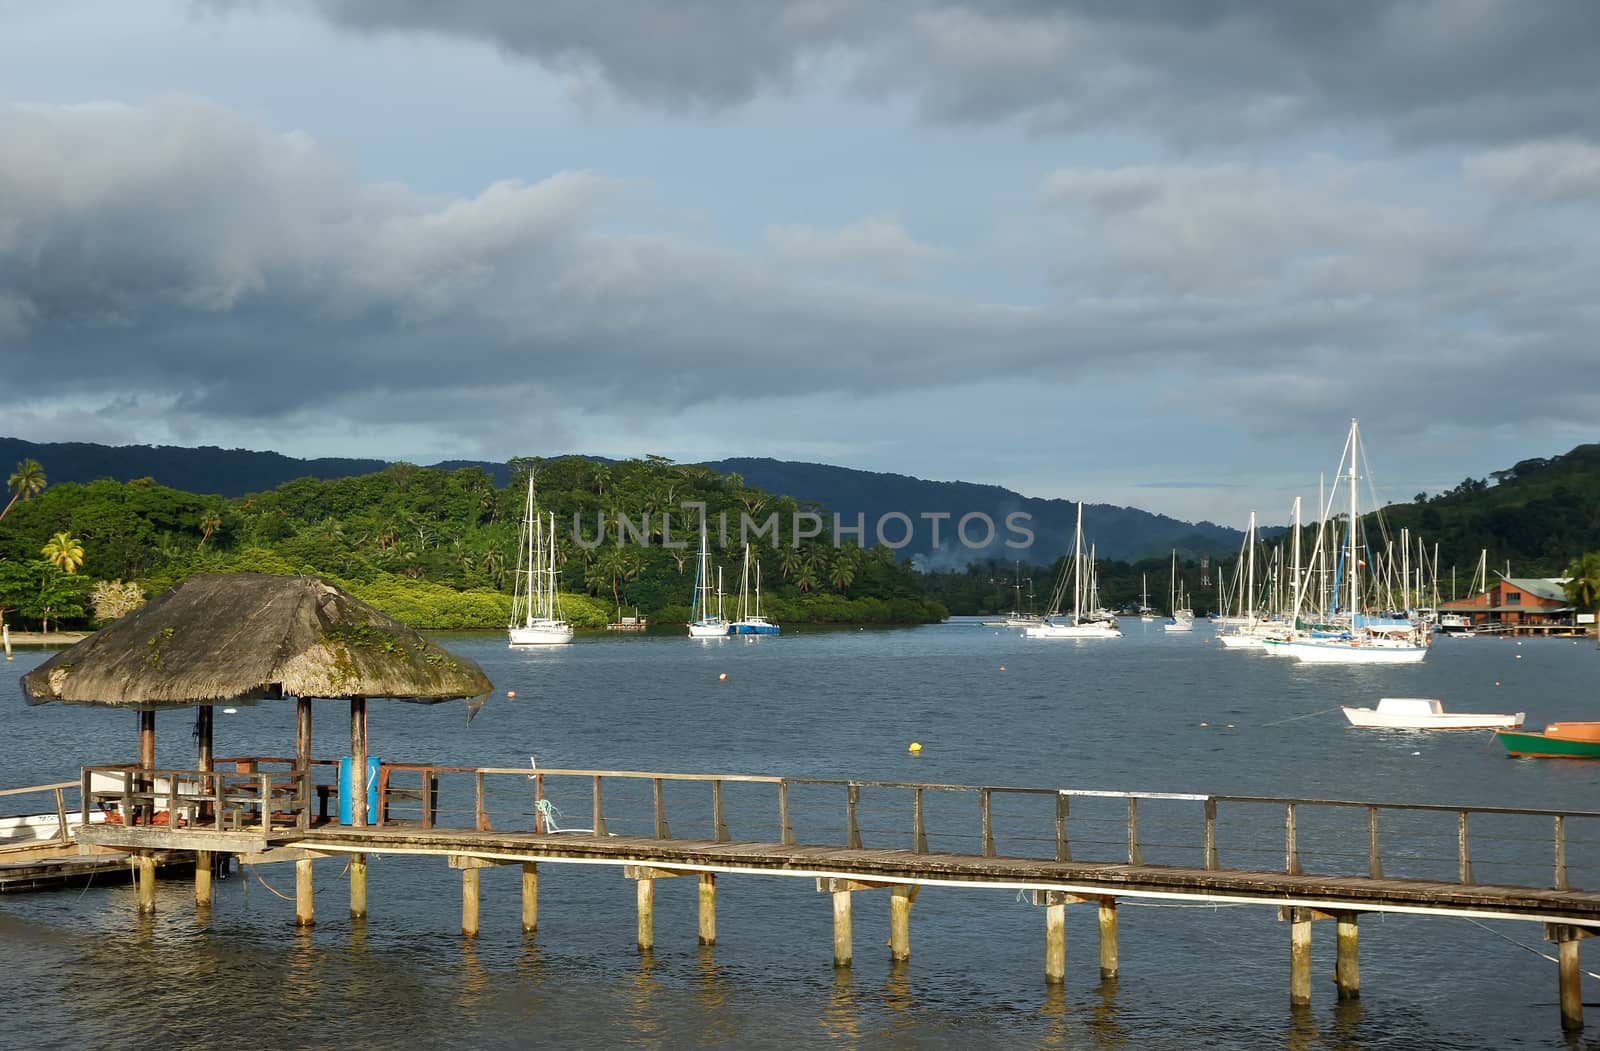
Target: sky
[1125, 251]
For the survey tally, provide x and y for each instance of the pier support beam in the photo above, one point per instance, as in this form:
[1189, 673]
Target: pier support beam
[900, 899]
[144, 876]
[1347, 964]
[530, 897]
[841, 929]
[305, 913]
[1567, 938]
[358, 886]
[646, 895]
[469, 902]
[1108, 937]
[708, 908]
[202, 877]
[1299, 955]
[1055, 944]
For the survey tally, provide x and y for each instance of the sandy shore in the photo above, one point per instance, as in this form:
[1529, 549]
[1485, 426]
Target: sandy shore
[46, 638]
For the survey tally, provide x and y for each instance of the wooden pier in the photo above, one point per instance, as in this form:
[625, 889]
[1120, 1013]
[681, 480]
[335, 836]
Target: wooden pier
[1309, 859]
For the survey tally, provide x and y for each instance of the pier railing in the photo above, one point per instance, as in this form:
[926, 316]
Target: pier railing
[1506, 846]
[38, 814]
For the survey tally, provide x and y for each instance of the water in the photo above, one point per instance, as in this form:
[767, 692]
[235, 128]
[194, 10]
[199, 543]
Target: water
[84, 969]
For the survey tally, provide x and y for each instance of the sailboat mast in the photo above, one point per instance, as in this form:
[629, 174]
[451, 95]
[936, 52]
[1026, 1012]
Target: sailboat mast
[1353, 576]
[1077, 567]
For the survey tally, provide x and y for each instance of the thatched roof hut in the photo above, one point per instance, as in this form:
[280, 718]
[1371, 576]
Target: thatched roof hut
[241, 637]
[225, 638]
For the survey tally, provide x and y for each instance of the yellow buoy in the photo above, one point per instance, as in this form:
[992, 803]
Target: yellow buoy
[1002, 667]
[722, 677]
[511, 693]
[916, 746]
[1205, 724]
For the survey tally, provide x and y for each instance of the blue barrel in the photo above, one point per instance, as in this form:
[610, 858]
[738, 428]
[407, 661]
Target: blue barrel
[346, 797]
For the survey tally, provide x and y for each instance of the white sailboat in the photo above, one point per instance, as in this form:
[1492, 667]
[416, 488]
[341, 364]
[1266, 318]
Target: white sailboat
[1146, 611]
[1081, 623]
[1182, 618]
[750, 621]
[703, 623]
[1351, 639]
[535, 603]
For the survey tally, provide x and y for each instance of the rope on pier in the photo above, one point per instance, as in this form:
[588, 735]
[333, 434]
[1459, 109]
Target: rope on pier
[1023, 897]
[284, 896]
[1520, 945]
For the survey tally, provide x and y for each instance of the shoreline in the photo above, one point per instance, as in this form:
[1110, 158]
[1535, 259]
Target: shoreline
[47, 638]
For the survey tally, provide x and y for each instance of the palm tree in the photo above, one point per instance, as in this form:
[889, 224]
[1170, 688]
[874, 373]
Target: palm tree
[64, 551]
[1583, 586]
[842, 571]
[24, 483]
[210, 522]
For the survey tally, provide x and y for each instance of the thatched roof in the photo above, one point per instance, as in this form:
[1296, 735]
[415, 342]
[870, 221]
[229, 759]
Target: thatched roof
[242, 637]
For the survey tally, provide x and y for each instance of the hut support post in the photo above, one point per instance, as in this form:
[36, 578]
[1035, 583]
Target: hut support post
[708, 908]
[144, 872]
[1055, 943]
[302, 758]
[358, 886]
[1108, 937]
[305, 912]
[900, 900]
[1347, 964]
[469, 902]
[646, 895]
[841, 928]
[147, 761]
[358, 762]
[530, 897]
[1299, 956]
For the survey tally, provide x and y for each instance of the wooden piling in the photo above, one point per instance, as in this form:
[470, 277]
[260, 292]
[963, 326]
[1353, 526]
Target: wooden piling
[358, 886]
[708, 908]
[1299, 956]
[900, 922]
[1347, 964]
[646, 895]
[1571, 989]
[305, 913]
[1055, 944]
[1567, 937]
[841, 928]
[1108, 937]
[530, 897]
[469, 902]
[202, 877]
[144, 872]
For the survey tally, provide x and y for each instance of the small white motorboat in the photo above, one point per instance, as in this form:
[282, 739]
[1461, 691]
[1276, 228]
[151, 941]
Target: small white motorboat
[1426, 713]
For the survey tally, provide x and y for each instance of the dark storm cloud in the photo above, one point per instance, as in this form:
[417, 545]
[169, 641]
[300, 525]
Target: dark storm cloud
[1417, 70]
[194, 266]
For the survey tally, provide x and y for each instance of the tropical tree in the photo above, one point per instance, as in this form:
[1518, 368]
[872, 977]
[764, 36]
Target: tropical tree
[1583, 586]
[210, 522]
[114, 599]
[26, 481]
[64, 551]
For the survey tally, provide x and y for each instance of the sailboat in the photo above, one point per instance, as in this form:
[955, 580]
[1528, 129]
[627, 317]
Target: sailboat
[1182, 618]
[750, 621]
[535, 604]
[1081, 623]
[1352, 637]
[703, 623]
[1146, 611]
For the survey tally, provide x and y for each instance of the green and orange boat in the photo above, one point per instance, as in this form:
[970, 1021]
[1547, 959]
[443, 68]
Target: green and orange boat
[1559, 741]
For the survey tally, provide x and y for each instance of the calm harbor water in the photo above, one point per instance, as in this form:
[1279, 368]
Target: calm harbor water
[83, 969]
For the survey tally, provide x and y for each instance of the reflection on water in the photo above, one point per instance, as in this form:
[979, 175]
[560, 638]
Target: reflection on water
[841, 1018]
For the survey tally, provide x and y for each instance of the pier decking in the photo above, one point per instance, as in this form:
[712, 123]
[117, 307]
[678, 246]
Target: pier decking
[1308, 858]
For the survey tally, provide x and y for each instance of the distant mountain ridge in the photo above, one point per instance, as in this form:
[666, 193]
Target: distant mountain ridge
[854, 495]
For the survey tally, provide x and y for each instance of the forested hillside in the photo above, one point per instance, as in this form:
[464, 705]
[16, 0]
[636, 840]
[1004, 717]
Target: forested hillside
[438, 548]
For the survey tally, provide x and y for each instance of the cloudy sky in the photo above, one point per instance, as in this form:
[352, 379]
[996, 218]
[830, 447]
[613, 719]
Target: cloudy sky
[1146, 253]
